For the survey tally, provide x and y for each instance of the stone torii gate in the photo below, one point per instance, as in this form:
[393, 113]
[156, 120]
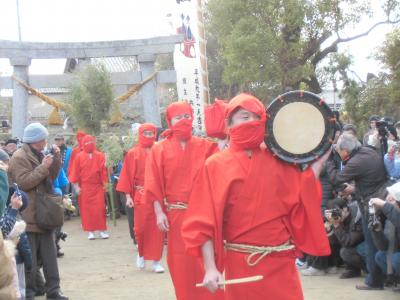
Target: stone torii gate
[20, 55]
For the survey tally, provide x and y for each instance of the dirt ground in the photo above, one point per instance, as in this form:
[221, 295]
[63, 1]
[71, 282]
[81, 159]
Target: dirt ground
[105, 270]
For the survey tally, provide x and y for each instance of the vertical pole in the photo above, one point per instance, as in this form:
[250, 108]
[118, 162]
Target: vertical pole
[151, 106]
[20, 96]
[334, 94]
[19, 23]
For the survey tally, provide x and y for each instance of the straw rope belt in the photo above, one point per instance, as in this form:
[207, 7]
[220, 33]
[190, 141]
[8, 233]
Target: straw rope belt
[175, 205]
[255, 251]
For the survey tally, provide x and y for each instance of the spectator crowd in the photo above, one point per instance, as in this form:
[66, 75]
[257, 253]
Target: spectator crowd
[361, 207]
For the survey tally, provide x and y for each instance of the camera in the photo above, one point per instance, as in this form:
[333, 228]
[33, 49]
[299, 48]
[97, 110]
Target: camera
[336, 213]
[374, 223]
[49, 151]
[62, 235]
[382, 126]
[16, 188]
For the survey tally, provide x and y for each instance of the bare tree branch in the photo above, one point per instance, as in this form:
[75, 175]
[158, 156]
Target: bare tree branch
[343, 40]
[333, 47]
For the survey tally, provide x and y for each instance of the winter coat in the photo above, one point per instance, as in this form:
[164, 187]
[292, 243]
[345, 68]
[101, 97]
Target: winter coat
[349, 233]
[366, 168]
[3, 191]
[392, 213]
[26, 170]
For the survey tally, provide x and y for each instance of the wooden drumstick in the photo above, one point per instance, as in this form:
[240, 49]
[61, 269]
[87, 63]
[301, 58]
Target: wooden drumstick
[236, 281]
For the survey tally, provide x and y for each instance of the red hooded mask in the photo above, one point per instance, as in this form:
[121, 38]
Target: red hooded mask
[247, 135]
[214, 119]
[147, 142]
[79, 137]
[89, 144]
[183, 128]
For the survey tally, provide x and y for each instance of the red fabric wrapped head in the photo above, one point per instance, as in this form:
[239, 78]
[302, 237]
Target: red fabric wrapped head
[214, 119]
[247, 102]
[145, 141]
[177, 108]
[89, 143]
[183, 128]
[248, 135]
[79, 137]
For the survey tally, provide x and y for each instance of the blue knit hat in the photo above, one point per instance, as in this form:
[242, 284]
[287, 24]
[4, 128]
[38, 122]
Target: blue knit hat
[34, 132]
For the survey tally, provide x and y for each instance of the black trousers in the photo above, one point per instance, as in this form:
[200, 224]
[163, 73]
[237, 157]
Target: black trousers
[324, 262]
[131, 220]
[43, 251]
[352, 258]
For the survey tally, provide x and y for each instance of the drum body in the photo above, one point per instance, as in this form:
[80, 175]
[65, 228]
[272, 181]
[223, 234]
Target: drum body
[300, 127]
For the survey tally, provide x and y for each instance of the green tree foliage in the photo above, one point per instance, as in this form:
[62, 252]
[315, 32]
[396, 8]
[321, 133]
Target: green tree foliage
[389, 55]
[364, 101]
[91, 98]
[270, 46]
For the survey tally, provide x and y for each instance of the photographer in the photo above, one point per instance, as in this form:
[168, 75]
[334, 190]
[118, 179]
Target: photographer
[31, 169]
[371, 137]
[386, 133]
[392, 160]
[388, 238]
[346, 224]
[365, 166]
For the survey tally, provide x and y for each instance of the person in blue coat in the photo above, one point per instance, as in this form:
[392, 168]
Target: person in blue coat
[60, 185]
[65, 151]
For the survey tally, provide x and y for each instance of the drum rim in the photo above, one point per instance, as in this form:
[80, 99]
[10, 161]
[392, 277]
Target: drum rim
[327, 139]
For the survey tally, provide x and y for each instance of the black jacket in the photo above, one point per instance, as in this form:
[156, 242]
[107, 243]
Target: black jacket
[392, 213]
[366, 168]
[349, 232]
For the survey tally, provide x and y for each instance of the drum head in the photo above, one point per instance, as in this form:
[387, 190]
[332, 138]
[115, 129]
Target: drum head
[300, 127]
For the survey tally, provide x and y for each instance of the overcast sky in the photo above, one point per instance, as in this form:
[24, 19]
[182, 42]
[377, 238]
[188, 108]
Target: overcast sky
[94, 20]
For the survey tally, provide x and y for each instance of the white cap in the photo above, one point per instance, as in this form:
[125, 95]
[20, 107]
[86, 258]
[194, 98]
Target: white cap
[394, 190]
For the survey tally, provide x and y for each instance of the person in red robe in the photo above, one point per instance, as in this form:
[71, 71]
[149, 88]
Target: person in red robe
[89, 175]
[150, 240]
[250, 213]
[171, 169]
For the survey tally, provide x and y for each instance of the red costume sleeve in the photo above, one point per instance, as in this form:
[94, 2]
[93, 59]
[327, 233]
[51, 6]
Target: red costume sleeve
[103, 169]
[203, 220]
[75, 169]
[305, 222]
[200, 214]
[74, 153]
[126, 177]
[154, 188]
[214, 119]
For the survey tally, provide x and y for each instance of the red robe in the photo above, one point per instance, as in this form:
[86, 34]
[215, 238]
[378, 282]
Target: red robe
[149, 238]
[90, 173]
[170, 173]
[74, 153]
[258, 201]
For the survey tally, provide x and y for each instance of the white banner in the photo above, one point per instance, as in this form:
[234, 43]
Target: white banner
[190, 59]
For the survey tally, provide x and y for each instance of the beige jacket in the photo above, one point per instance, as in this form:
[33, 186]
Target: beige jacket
[7, 289]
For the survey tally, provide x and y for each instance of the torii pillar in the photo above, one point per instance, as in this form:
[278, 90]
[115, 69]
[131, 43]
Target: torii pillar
[20, 96]
[151, 105]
